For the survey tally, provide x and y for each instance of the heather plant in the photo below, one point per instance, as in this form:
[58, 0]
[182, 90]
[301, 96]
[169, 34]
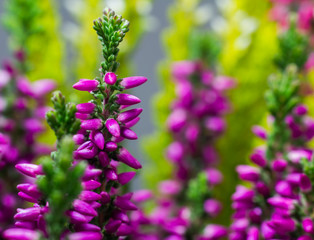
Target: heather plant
[277, 205]
[100, 211]
[186, 204]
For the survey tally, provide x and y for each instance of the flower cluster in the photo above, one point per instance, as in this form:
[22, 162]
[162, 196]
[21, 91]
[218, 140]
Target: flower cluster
[196, 121]
[22, 107]
[275, 205]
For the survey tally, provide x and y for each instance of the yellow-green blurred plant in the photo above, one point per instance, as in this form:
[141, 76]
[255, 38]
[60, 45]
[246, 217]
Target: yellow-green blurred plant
[183, 20]
[250, 46]
[33, 27]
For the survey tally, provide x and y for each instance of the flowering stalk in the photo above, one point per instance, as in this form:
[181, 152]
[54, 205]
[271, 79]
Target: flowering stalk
[104, 124]
[186, 203]
[276, 206]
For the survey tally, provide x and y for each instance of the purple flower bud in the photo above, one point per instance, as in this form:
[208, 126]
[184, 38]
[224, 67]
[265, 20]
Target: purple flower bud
[28, 214]
[124, 178]
[305, 183]
[78, 139]
[87, 108]
[104, 160]
[87, 150]
[215, 124]
[308, 225]
[213, 231]
[26, 197]
[113, 127]
[87, 227]
[98, 139]
[267, 232]
[128, 133]
[76, 217]
[85, 235]
[132, 122]
[82, 116]
[177, 120]
[131, 82]
[84, 208]
[91, 173]
[127, 99]
[258, 159]
[243, 194]
[300, 110]
[91, 124]
[120, 215]
[253, 234]
[284, 189]
[212, 207]
[281, 202]
[105, 197]
[91, 185]
[142, 195]
[259, 132]
[110, 78]
[279, 165]
[214, 176]
[4, 78]
[124, 230]
[111, 146]
[175, 152]
[129, 115]
[23, 224]
[126, 157]
[170, 187]
[123, 203]
[282, 225]
[89, 196]
[86, 85]
[31, 170]
[192, 133]
[112, 225]
[248, 173]
[20, 234]
[111, 174]
[262, 188]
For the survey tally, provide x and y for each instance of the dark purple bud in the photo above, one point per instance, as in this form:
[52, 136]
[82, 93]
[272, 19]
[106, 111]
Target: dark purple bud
[300, 110]
[111, 146]
[91, 185]
[120, 215]
[82, 116]
[212, 207]
[104, 160]
[26, 197]
[87, 108]
[281, 202]
[258, 159]
[284, 189]
[192, 133]
[105, 197]
[128, 133]
[98, 139]
[307, 224]
[91, 173]
[129, 115]
[243, 194]
[253, 234]
[89, 196]
[23, 224]
[127, 99]
[259, 132]
[85, 235]
[267, 231]
[126, 157]
[131, 82]
[87, 227]
[248, 173]
[111, 174]
[124, 230]
[76, 217]
[91, 124]
[124, 203]
[113, 127]
[31, 170]
[282, 225]
[279, 165]
[305, 183]
[110, 78]
[20, 234]
[86, 85]
[28, 214]
[124, 178]
[84, 208]
[112, 225]
[262, 188]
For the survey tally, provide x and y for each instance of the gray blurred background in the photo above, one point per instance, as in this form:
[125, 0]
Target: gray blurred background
[146, 58]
